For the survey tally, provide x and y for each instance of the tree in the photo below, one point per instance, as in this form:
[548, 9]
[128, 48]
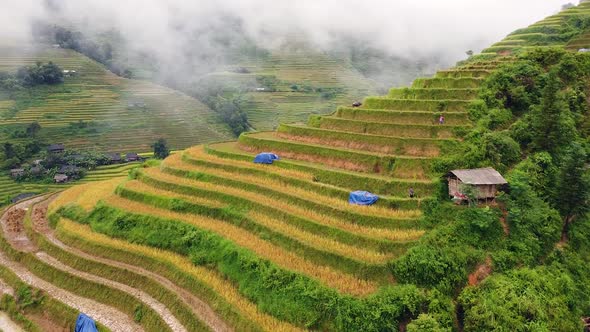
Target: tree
[501, 149]
[161, 150]
[33, 129]
[232, 113]
[553, 124]
[49, 73]
[573, 186]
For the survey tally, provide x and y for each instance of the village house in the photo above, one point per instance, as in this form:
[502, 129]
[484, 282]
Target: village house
[132, 157]
[69, 73]
[486, 182]
[60, 178]
[56, 148]
[114, 158]
[16, 172]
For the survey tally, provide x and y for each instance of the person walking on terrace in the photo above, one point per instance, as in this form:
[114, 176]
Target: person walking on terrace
[411, 192]
[441, 120]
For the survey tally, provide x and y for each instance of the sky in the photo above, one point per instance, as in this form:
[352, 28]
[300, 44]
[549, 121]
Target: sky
[406, 28]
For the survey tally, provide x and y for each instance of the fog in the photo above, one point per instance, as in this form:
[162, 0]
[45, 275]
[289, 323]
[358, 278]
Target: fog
[408, 29]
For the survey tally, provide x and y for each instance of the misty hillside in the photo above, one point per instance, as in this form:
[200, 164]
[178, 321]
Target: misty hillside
[97, 109]
[224, 68]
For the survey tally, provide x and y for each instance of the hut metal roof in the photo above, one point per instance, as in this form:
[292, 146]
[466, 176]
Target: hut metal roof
[479, 176]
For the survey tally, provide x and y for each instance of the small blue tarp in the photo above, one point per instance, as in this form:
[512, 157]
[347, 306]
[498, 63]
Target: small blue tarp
[85, 324]
[362, 198]
[265, 158]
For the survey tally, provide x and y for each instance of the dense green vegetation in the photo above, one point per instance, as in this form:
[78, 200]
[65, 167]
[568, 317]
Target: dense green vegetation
[30, 76]
[531, 122]
[161, 149]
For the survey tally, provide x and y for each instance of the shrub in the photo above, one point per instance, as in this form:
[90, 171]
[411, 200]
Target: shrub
[428, 265]
[501, 150]
[522, 300]
[425, 323]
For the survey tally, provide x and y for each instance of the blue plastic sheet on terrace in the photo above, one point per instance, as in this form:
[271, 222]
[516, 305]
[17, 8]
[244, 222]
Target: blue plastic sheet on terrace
[362, 198]
[266, 158]
[85, 324]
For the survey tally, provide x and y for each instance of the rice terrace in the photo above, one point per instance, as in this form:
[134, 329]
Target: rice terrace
[168, 166]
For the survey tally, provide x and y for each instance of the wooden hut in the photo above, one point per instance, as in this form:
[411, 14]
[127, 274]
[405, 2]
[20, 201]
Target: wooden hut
[486, 181]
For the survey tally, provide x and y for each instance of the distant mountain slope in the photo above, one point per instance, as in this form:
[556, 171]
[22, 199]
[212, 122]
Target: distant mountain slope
[97, 109]
[305, 83]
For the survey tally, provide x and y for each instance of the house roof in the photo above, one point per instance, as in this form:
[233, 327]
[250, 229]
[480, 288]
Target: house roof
[54, 147]
[479, 176]
[60, 177]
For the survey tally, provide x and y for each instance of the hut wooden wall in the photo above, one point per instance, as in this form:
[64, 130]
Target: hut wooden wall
[483, 191]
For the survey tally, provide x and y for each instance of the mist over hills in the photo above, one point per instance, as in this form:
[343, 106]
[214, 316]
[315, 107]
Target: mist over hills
[180, 38]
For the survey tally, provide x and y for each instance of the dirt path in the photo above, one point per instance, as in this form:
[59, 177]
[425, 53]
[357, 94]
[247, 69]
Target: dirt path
[158, 307]
[13, 227]
[6, 324]
[198, 307]
[109, 317]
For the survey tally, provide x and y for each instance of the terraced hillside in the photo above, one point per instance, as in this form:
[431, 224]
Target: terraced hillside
[567, 28]
[117, 114]
[306, 83]
[215, 242]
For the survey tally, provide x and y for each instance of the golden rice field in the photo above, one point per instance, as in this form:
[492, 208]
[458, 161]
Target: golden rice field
[220, 285]
[332, 278]
[177, 163]
[389, 234]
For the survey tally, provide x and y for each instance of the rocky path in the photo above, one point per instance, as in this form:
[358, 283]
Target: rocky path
[158, 307]
[6, 324]
[201, 309]
[109, 317]
[12, 226]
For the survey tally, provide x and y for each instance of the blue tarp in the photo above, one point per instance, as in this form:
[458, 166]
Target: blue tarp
[85, 324]
[266, 158]
[362, 198]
